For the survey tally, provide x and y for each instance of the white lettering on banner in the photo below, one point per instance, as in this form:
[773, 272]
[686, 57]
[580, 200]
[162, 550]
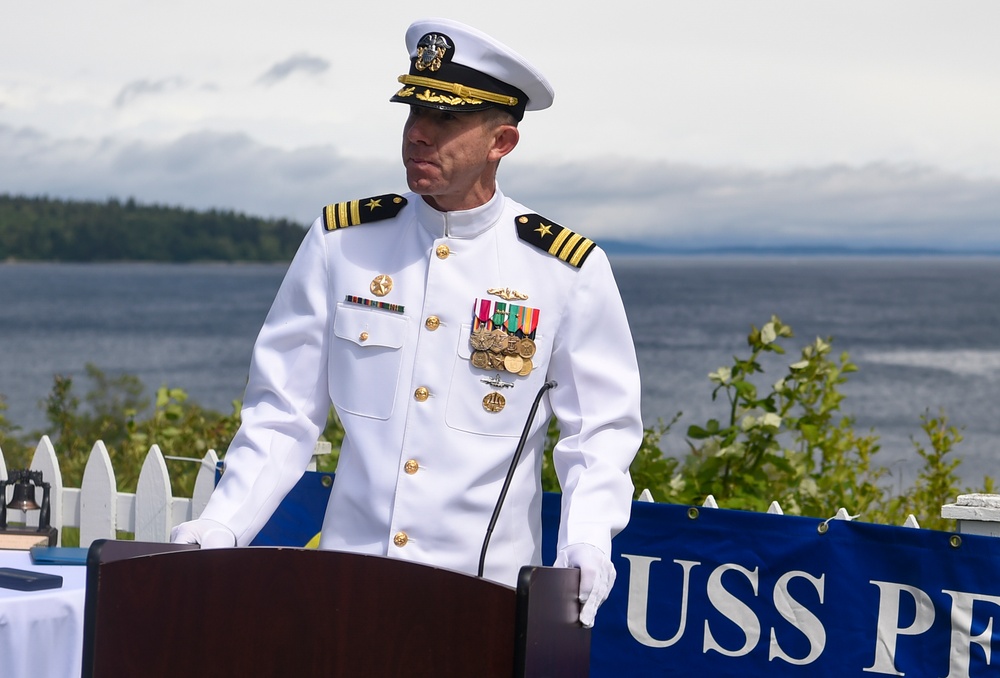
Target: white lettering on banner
[887, 630]
[800, 617]
[961, 632]
[638, 599]
[730, 606]
[734, 609]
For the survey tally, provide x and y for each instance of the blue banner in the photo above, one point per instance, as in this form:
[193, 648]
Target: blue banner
[733, 593]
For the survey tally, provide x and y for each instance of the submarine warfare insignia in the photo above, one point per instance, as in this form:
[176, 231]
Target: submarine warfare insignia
[557, 240]
[353, 212]
[507, 294]
[381, 285]
[503, 337]
[496, 382]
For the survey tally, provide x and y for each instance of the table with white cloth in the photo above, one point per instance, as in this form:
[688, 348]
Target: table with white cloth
[41, 632]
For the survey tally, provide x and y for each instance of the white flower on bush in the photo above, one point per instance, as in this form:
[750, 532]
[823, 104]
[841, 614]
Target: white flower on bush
[770, 419]
[768, 334]
[723, 376]
[767, 419]
[808, 487]
[677, 484]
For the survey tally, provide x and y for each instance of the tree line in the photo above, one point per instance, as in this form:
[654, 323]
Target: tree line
[48, 229]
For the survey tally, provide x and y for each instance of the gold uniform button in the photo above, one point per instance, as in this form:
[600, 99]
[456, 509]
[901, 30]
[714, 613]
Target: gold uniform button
[363, 336]
[432, 323]
[421, 394]
[400, 539]
[411, 466]
[443, 251]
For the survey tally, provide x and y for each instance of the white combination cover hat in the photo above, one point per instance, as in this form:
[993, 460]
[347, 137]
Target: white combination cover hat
[456, 67]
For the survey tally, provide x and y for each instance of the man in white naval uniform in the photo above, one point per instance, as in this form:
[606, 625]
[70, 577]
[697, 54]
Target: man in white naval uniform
[431, 320]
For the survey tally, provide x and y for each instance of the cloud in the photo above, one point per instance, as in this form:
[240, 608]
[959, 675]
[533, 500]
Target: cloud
[204, 170]
[299, 63]
[662, 203]
[874, 205]
[140, 88]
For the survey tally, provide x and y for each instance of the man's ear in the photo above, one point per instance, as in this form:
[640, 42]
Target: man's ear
[505, 138]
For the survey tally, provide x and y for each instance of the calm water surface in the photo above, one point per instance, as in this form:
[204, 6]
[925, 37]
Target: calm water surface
[922, 331]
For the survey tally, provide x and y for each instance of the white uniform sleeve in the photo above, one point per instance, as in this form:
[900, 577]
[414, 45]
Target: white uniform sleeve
[597, 405]
[287, 398]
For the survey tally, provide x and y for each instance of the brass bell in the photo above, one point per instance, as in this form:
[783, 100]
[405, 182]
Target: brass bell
[24, 497]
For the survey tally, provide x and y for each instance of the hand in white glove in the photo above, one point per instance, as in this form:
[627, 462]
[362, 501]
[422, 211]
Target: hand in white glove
[597, 576]
[208, 533]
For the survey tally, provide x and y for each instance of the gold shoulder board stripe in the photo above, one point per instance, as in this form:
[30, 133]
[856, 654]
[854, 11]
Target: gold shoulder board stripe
[557, 240]
[354, 212]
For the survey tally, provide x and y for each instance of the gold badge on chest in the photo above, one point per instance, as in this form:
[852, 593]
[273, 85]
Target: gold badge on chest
[494, 402]
[381, 285]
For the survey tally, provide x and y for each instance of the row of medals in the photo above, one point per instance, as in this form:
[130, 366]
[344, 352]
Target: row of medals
[498, 350]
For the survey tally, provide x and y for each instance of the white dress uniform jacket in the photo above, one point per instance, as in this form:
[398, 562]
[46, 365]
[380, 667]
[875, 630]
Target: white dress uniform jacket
[423, 461]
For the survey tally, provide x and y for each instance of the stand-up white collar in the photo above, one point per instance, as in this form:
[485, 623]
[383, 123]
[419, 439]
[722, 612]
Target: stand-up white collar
[462, 223]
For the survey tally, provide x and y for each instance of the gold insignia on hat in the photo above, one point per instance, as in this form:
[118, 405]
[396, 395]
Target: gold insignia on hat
[463, 95]
[507, 293]
[430, 52]
[381, 285]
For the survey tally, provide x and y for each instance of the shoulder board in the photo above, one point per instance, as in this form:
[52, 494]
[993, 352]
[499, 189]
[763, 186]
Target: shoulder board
[354, 212]
[557, 240]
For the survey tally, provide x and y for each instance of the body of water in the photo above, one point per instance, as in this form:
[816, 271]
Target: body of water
[922, 331]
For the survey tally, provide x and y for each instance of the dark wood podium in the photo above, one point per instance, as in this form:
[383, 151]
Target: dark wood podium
[169, 610]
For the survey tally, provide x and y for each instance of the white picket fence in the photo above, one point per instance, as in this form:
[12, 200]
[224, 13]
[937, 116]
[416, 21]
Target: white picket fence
[101, 511]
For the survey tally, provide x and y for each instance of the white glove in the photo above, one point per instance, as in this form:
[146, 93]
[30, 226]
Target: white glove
[208, 533]
[597, 576]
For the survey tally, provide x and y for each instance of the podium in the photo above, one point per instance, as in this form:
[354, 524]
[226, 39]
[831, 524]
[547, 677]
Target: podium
[175, 610]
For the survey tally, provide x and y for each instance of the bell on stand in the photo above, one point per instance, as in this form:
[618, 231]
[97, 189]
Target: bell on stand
[23, 499]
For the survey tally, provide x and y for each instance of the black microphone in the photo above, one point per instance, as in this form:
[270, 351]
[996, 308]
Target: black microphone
[551, 383]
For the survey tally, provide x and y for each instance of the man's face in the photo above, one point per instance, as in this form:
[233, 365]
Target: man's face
[450, 158]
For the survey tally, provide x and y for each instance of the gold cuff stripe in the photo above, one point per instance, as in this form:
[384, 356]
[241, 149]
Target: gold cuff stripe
[458, 90]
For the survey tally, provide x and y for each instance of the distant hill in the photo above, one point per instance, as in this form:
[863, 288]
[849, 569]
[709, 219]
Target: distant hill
[46, 229]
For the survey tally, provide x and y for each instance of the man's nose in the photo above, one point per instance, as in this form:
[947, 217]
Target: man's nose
[417, 131]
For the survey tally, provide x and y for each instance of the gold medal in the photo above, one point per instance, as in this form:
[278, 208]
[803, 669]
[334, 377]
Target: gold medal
[526, 367]
[494, 402]
[499, 341]
[481, 359]
[511, 346]
[496, 361]
[526, 348]
[513, 363]
[381, 285]
[481, 339]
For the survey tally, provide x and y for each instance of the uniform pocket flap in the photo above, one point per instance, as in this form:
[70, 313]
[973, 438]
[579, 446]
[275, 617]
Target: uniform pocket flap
[368, 327]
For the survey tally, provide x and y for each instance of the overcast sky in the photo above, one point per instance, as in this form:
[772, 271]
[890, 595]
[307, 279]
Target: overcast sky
[859, 122]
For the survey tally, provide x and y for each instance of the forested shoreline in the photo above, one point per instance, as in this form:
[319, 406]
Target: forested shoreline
[49, 229]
